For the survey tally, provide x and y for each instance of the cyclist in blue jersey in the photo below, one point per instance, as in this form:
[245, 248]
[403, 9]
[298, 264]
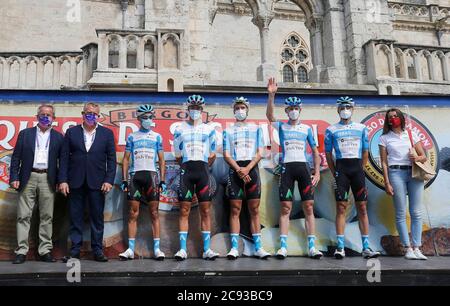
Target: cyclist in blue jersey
[242, 145]
[294, 137]
[195, 150]
[140, 178]
[350, 143]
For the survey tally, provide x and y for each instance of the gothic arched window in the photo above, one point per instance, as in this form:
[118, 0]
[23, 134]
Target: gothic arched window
[295, 59]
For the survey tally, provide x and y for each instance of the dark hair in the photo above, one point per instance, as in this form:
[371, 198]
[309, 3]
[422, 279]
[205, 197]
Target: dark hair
[387, 127]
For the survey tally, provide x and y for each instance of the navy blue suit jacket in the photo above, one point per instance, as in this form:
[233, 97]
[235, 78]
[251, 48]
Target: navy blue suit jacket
[95, 167]
[23, 157]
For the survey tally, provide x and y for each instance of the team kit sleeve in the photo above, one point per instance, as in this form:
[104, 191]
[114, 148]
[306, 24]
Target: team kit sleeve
[177, 143]
[310, 138]
[159, 143]
[129, 144]
[259, 138]
[226, 142]
[328, 141]
[212, 141]
[365, 139]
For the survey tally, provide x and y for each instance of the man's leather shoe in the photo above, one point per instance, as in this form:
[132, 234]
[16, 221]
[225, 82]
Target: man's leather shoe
[20, 259]
[100, 258]
[47, 258]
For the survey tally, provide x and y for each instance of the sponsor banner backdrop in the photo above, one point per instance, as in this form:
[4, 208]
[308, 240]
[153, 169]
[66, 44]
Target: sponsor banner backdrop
[428, 122]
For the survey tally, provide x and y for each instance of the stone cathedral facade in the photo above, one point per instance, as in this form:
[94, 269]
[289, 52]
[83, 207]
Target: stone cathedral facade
[309, 46]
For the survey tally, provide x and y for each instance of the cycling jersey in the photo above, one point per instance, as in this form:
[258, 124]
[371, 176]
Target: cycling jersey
[347, 140]
[293, 140]
[242, 140]
[143, 147]
[194, 142]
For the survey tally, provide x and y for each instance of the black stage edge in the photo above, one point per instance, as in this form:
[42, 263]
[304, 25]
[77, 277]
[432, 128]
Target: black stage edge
[294, 271]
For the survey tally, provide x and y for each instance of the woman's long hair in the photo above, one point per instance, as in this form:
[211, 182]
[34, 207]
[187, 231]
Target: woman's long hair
[387, 127]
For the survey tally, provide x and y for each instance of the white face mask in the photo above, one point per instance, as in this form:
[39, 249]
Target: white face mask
[345, 113]
[240, 114]
[194, 114]
[294, 114]
[147, 124]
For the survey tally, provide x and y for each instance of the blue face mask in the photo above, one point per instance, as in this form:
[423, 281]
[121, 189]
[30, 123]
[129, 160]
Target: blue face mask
[91, 119]
[195, 114]
[147, 124]
[44, 120]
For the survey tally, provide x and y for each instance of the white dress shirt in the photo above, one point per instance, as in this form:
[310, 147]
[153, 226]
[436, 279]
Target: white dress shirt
[41, 148]
[89, 137]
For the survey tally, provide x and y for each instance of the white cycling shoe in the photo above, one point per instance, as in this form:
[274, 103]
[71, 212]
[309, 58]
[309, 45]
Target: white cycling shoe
[261, 254]
[315, 253]
[281, 253]
[210, 255]
[368, 253]
[159, 255]
[127, 255]
[339, 254]
[181, 255]
[233, 254]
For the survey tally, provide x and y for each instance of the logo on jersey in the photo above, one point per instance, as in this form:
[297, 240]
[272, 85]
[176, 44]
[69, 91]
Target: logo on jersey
[374, 123]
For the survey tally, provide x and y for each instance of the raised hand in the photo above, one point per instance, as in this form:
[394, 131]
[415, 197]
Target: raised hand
[272, 86]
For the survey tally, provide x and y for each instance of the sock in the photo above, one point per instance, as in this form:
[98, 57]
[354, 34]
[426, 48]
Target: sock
[311, 241]
[206, 240]
[234, 240]
[257, 241]
[365, 241]
[340, 241]
[156, 244]
[283, 241]
[131, 243]
[183, 240]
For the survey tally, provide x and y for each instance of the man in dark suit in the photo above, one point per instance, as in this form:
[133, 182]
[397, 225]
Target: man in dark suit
[87, 170]
[33, 173]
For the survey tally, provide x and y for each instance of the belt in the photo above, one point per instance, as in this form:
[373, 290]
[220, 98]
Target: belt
[401, 167]
[39, 170]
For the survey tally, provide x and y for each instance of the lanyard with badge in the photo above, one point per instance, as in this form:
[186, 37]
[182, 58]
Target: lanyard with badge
[42, 156]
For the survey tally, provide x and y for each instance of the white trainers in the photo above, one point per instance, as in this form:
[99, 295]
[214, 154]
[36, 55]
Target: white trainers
[127, 255]
[419, 254]
[210, 255]
[281, 253]
[314, 253]
[233, 254]
[339, 254]
[410, 254]
[368, 253]
[181, 255]
[159, 255]
[262, 254]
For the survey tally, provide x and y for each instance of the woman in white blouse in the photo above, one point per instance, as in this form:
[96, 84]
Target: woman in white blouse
[396, 160]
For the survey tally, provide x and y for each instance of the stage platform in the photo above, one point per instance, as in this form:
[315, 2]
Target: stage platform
[293, 271]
